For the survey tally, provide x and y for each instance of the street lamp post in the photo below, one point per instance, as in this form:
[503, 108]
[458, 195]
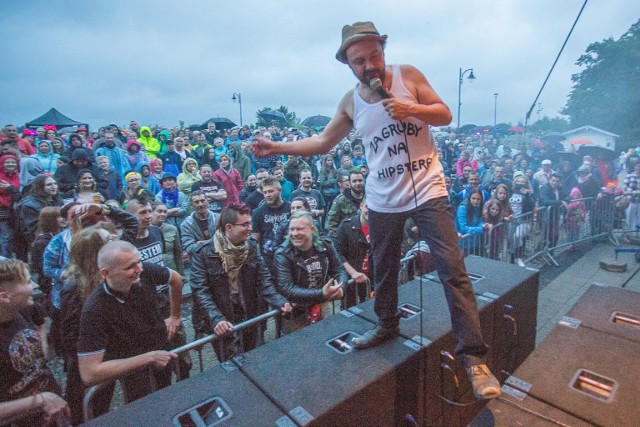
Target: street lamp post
[461, 75]
[495, 108]
[238, 96]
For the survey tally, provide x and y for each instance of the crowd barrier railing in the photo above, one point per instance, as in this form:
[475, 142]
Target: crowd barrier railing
[544, 231]
[197, 345]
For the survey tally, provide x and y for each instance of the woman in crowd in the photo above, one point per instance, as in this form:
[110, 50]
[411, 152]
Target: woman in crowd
[189, 176]
[469, 223]
[133, 189]
[172, 247]
[135, 156]
[521, 203]
[86, 188]
[230, 179]
[50, 223]
[492, 215]
[328, 180]
[80, 278]
[156, 168]
[501, 194]
[58, 147]
[575, 216]
[43, 193]
[9, 193]
[209, 158]
[47, 157]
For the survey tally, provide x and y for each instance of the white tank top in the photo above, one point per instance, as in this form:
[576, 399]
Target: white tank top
[396, 151]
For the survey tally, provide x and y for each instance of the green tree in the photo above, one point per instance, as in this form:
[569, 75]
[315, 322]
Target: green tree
[291, 120]
[550, 124]
[605, 94]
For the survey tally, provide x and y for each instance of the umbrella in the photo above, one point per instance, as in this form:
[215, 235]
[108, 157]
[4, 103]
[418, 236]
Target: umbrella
[272, 115]
[516, 129]
[564, 156]
[466, 128]
[221, 123]
[538, 143]
[595, 152]
[316, 121]
[69, 129]
[515, 141]
[580, 141]
[554, 137]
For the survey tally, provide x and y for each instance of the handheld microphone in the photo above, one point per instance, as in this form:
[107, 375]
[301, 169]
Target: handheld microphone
[376, 84]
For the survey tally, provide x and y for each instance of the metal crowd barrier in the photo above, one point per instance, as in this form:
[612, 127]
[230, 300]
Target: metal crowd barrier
[195, 345]
[546, 230]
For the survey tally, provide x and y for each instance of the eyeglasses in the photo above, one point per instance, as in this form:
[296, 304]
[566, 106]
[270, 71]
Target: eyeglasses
[244, 225]
[133, 179]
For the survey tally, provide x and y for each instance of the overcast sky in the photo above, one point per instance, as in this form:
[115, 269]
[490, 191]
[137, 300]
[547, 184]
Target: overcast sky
[162, 61]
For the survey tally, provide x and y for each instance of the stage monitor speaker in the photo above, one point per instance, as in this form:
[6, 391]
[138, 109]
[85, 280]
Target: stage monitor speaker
[610, 310]
[317, 377]
[512, 292]
[221, 396]
[433, 323]
[529, 413]
[584, 372]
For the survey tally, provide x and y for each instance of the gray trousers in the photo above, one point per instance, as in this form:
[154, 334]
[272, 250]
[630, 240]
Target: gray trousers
[435, 223]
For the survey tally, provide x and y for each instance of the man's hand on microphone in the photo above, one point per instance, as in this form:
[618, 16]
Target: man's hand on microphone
[397, 109]
[262, 147]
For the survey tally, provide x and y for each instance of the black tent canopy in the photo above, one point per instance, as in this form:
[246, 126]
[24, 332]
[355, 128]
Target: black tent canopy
[55, 118]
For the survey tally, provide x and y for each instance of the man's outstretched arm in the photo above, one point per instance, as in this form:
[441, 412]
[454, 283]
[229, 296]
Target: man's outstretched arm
[338, 128]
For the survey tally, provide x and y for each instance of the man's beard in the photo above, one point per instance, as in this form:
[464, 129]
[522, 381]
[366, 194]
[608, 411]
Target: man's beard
[367, 76]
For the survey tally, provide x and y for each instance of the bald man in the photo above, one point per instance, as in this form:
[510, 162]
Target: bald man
[119, 333]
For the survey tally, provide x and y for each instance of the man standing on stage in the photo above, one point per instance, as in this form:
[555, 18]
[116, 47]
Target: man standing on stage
[406, 180]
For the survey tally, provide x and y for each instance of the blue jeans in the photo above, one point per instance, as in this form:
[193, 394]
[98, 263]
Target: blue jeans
[6, 235]
[435, 223]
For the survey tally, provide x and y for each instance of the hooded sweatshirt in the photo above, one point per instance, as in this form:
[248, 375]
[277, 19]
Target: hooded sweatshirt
[8, 195]
[239, 160]
[186, 179]
[149, 183]
[49, 161]
[30, 168]
[152, 146]
[136, 158]
[163, 137]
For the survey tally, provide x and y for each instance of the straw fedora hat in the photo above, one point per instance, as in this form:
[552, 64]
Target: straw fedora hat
[354, 33]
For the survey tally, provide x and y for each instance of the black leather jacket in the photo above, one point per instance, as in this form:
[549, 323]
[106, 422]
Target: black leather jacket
[212, 293]
[352, 244]
[293, 278]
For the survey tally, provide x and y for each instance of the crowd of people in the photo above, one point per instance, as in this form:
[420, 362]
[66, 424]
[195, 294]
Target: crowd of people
[107, 221]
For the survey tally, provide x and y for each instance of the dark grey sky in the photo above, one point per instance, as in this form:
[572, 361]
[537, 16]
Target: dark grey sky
[163, 61]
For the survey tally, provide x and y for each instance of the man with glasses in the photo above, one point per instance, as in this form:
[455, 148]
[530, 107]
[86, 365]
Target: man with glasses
[229, 278]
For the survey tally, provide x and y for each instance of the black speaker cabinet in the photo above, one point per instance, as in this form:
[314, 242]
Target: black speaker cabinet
[512, 293]
[529, 413]
[586, 373]
[317, 377]
[433, 323]
[221, 396]
[610, 310]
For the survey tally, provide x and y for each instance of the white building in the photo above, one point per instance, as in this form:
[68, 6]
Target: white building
[598, 138]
